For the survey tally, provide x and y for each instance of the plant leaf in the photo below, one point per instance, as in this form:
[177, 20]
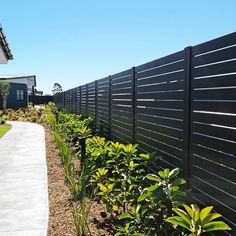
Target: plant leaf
[196, 212]
[204, 212]
[216, 225]
[142, 197]
[211, 217]
[152, 188]
[173, 173]
[189, 210]
[178, 181]
[153, 177]
[176, 220]
[183, 215]
[102, 187]
[166, 172]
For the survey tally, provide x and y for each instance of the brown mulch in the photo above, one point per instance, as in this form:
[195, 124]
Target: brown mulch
[60, 214]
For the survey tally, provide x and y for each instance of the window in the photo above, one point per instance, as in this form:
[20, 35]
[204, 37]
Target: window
[20, 95]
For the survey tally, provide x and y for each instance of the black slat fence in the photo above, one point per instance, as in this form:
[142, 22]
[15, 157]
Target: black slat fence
[182, 106]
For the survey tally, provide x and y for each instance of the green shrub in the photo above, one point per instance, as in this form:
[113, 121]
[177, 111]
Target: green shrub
[119, 177]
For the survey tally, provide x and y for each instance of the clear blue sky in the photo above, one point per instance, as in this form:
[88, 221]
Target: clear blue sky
[73, 42]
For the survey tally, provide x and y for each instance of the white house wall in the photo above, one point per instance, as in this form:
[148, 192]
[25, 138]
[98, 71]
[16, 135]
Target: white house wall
[3, 59]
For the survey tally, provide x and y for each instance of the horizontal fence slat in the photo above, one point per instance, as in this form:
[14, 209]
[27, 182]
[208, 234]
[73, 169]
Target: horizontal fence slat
[164, 60]
[160, 137]
[212, 130]
[215, 94]
[215, 81]
[177, 66]
[161, 121]
[161, 129]
[217, 119]
[178, 75]
[123, 118]
[125, 79]
[179, 85]
[214, 155]
[222, 55]
[214, 106]
[161, 112]
[216, 69]
[214, 143]
[221, 186]
[161, 104]
[225, 174]
[214, 44]
[161, 95]
[166, 154]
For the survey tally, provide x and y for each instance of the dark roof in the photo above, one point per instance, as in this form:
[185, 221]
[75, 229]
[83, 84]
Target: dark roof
[4, 44]
[15, 77]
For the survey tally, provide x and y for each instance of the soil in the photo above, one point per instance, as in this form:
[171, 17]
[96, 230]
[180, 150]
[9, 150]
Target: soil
[60, 216]
[60, 213]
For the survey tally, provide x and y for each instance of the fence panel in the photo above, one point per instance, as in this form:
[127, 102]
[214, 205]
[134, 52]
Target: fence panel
[103, 104]
[67, 101]
[73, 105]
[70, 100]
[91, 99]
[84, 99]
[121, 106]
[58, 99]
[213, 120]
[78, 104]
[160, 108]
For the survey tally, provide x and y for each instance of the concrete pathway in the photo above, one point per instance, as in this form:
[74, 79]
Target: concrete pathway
[23, 181]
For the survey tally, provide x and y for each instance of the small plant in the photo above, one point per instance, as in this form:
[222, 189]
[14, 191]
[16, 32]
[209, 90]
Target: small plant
[197, 221]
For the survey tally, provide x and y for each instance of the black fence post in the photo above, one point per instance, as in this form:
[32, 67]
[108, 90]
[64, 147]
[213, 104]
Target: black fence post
[96, 102]
[82, 143]
[133, 114]
[109, 106]
[187, 113]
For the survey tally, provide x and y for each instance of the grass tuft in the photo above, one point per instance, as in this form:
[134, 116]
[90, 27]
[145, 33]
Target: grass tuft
[4, 129]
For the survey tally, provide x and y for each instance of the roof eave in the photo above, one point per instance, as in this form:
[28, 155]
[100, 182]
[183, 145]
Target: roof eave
[4, 44]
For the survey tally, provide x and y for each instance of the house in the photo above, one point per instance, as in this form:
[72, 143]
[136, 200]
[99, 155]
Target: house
[21, 88]
[5, 52]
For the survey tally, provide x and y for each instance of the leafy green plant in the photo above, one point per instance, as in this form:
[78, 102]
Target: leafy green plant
[128, 230]
[107, 194]
[197, 221]
[125, 171]
[155, 203]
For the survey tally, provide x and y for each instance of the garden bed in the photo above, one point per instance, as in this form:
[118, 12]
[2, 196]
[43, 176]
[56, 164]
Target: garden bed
[60, 216]
[60, 211]
[111, 191]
